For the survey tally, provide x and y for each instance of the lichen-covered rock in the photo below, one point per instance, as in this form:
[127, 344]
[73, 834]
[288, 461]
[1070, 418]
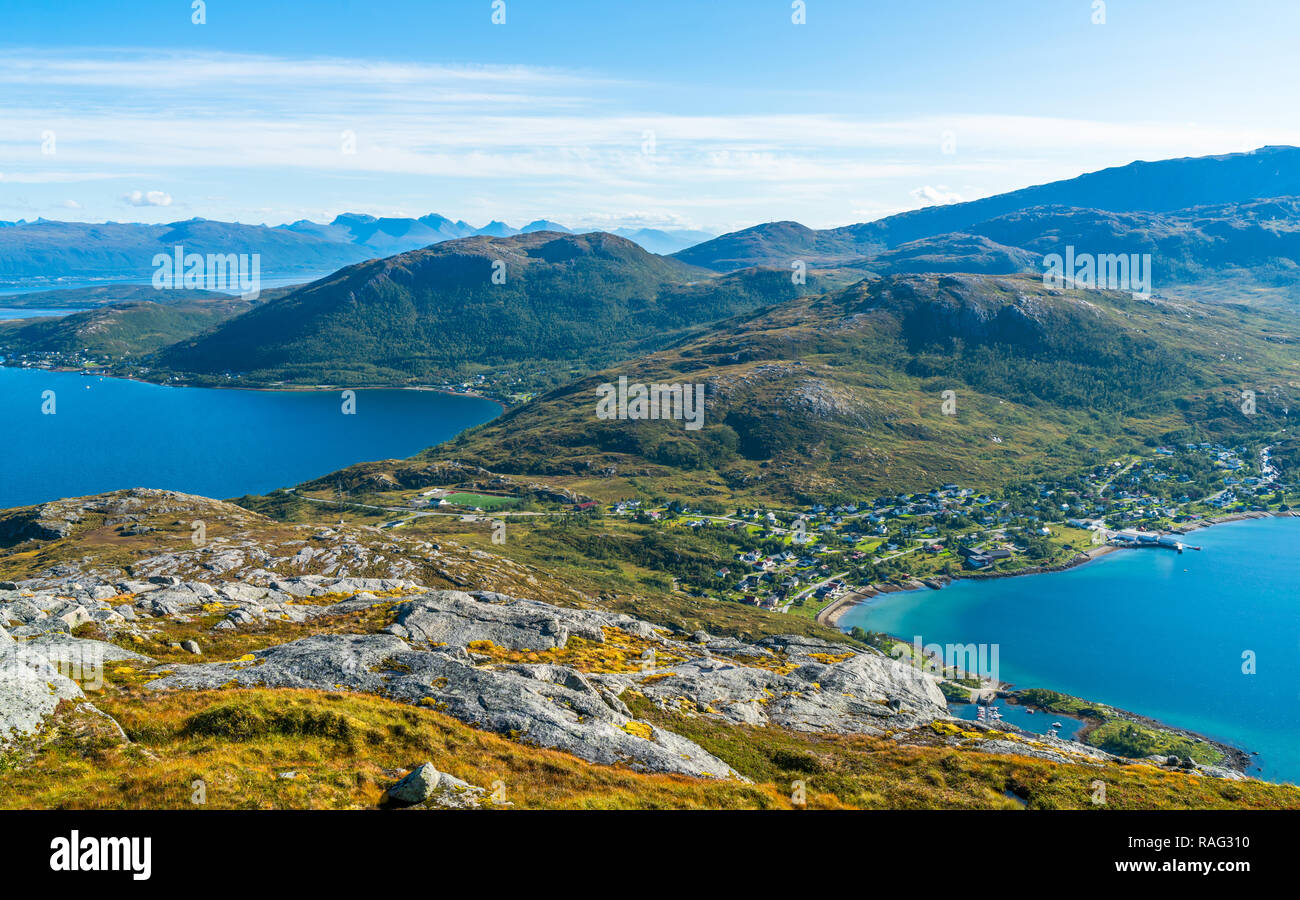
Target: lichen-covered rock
[63, 648]
[179, 598]
[458, 619]
[849, 695]
[425, 784]
[551, 711]
[319, 585]
[30, 689]
[20, 608]
[418, 785]
[71, 614]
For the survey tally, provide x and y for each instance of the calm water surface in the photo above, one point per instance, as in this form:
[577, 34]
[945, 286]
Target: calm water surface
[7, 314]
[1152, 631]
[109, 433]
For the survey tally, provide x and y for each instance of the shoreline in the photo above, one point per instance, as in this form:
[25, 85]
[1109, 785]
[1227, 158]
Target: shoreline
[286, 388]
[1236, 758]
[831, 615]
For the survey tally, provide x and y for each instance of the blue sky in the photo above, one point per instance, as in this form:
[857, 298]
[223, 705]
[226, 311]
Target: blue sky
[713, 115]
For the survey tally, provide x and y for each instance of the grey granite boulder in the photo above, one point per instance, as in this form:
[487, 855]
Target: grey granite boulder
[316, 585]
[30, 689]
[457, 619]
[63, 648]
[417, 786]
[22, 610]
[71, 614]
[559, 710]
[177, 598]
[425, 784]
[852, 695]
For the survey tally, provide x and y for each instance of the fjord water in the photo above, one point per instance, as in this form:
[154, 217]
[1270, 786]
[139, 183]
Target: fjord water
[7, 314]
[109, 433]
[1151, 631]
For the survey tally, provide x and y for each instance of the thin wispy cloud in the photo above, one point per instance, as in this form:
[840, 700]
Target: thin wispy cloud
[501, 141]
[63, 176]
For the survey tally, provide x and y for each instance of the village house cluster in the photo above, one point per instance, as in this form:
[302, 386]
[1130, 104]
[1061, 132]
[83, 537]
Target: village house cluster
[807, 558]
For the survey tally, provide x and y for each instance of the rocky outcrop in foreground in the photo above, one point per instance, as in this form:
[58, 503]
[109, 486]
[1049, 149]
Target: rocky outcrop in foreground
[543, 674]
[31, 688]
[550, 706]
[256, 603]
[552, 676]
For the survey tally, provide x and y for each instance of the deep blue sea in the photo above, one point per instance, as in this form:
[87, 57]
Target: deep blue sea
[7, 313]
[28, 285]
[109, 433]
[1152, 631]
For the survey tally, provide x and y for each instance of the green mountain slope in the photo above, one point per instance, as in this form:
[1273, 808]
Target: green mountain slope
[1211, 252]
[567, 300]
[1229, 252]
[949, 253]
[843, 394]
[102, 295]
[130, 329]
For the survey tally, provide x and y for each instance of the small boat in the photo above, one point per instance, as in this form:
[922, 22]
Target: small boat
[1030, 711]
[1056, 725]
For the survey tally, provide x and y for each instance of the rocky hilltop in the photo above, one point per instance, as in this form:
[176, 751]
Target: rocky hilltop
[117, 613]
[545, 674]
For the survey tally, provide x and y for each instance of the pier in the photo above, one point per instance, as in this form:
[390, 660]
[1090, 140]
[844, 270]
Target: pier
[1134, 538]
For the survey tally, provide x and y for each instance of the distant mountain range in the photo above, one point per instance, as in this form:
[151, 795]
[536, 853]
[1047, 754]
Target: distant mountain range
[387, 236]
[567, 304]
[1194, 215]
[45, 251]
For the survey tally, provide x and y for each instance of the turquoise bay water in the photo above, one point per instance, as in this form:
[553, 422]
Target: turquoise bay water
[110, 433]
[1151, 631]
